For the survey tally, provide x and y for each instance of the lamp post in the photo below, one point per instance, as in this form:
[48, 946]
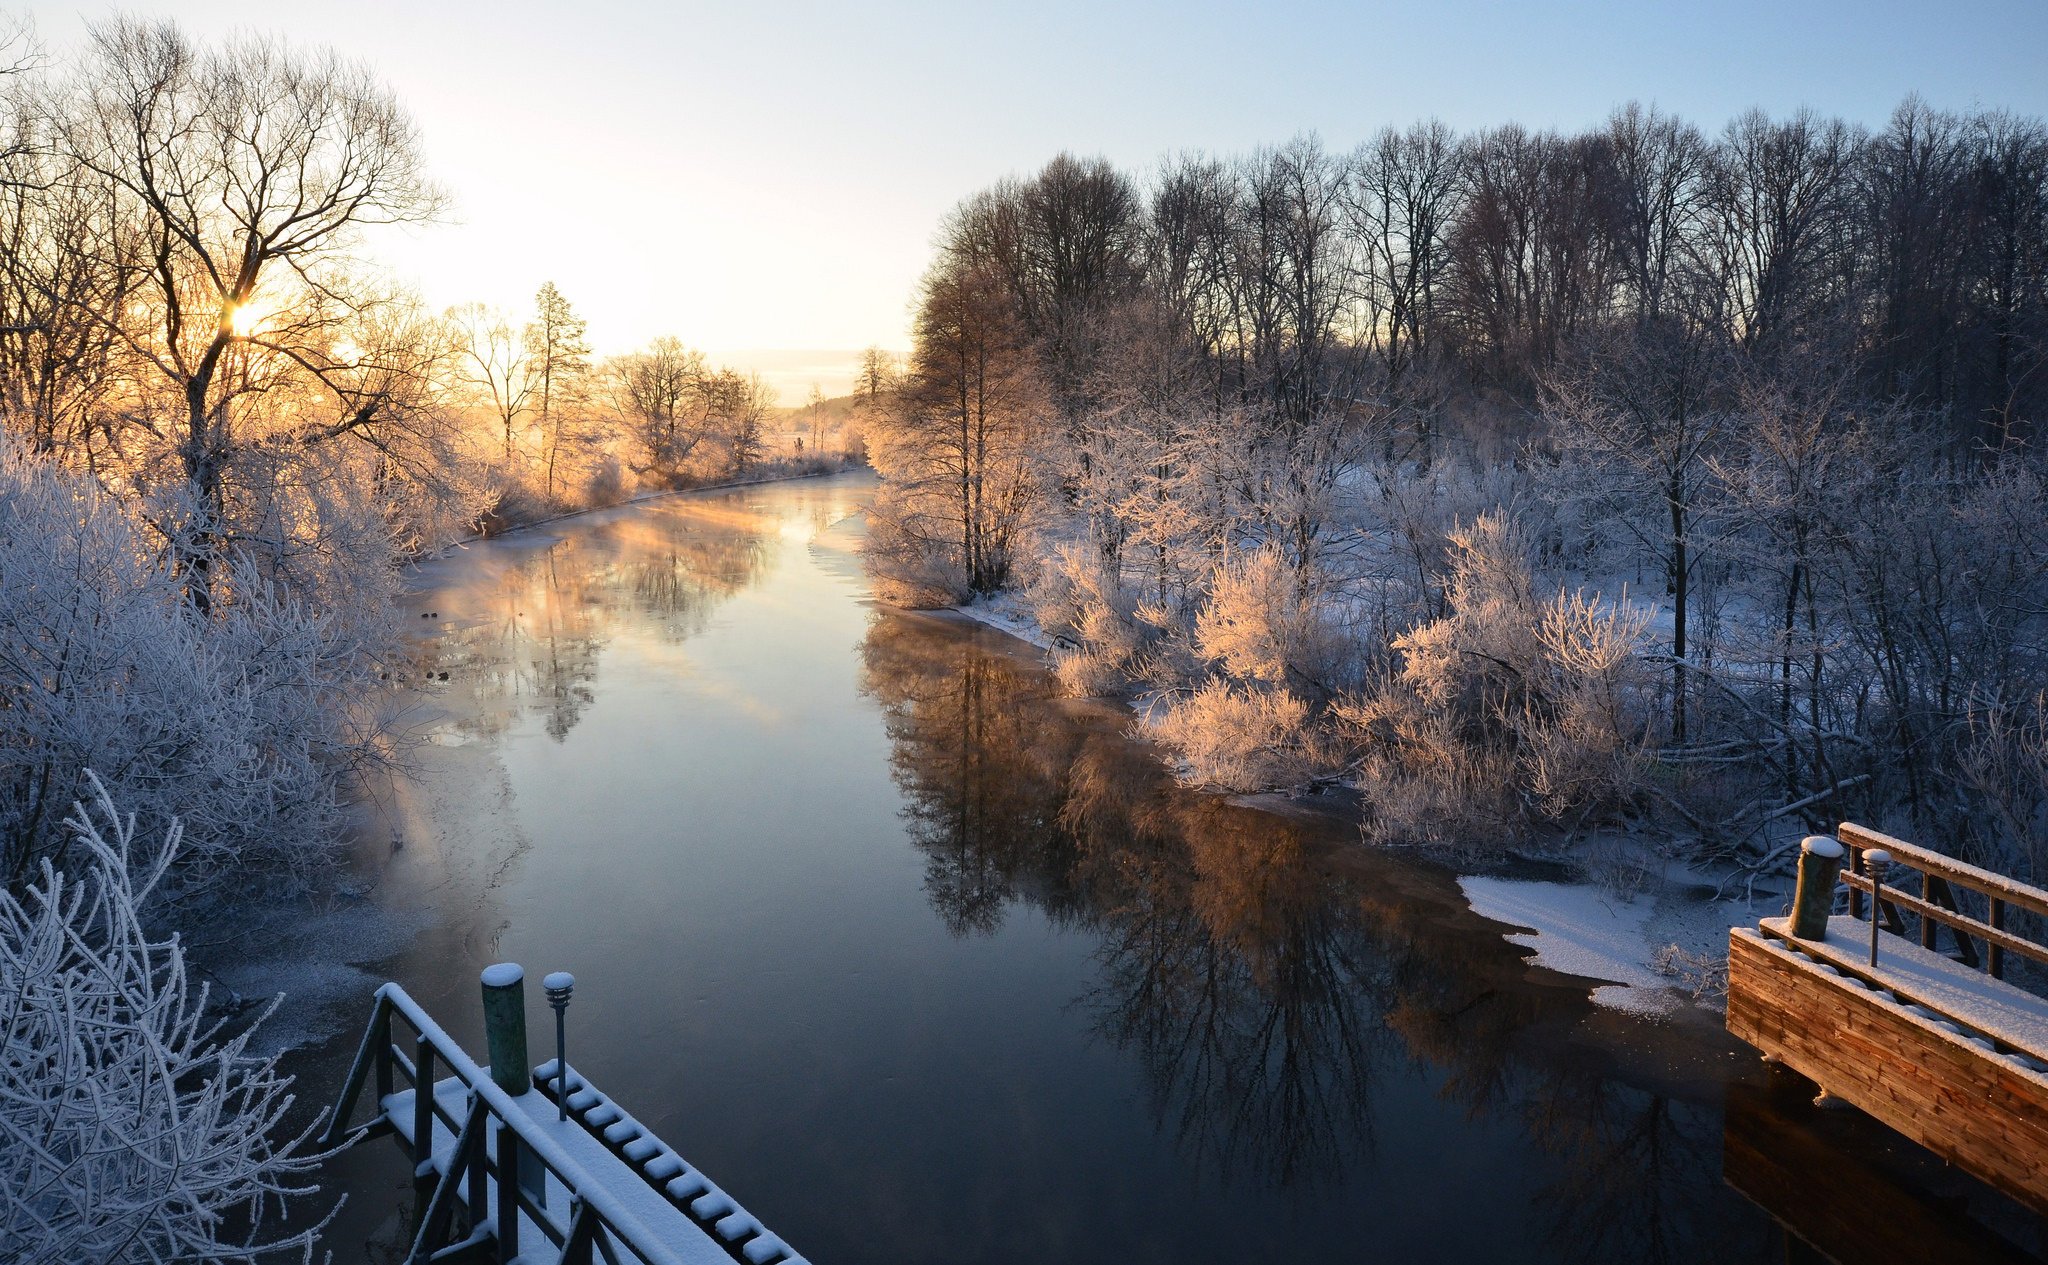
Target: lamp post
[558, 986]
[1875, 860]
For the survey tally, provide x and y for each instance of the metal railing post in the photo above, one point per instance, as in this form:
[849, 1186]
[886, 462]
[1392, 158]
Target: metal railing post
[1875, 860]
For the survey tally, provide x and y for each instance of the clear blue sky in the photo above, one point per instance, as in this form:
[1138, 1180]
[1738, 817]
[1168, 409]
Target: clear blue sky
[760, 175]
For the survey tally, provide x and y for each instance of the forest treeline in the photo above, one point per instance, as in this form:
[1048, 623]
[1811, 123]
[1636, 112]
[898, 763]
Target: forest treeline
[1536, 483]
[222, 427]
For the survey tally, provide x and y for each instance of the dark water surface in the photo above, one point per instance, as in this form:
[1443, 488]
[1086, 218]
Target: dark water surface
[924, 963]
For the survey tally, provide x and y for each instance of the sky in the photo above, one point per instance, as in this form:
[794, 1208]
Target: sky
[762, 180]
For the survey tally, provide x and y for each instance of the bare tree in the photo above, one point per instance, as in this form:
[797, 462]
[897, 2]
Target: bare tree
[1782, 225]
[1639, 421]
[961, 446]
[659, 393]
[495, 362]
[558, 352]
[247, 172]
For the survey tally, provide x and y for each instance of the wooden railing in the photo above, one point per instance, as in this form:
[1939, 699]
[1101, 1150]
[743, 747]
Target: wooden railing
[596, 1220]
[1937, 904]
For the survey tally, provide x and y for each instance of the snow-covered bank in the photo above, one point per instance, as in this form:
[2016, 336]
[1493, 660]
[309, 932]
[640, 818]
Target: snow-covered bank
[1587, 930]
[1008, 612]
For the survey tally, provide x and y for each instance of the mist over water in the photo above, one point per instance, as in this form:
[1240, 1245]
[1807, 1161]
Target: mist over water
[923, 962]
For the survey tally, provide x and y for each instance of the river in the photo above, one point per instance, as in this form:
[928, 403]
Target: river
[926, 963]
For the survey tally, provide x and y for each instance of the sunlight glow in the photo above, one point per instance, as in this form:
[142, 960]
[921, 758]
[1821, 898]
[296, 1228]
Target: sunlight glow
[245, 319]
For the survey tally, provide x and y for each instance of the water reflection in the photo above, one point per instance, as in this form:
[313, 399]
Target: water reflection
[1278, 1004]
[535, 631]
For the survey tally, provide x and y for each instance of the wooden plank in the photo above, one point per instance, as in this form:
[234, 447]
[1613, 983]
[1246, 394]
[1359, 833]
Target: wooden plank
[1990, 883]
[1968, 1106]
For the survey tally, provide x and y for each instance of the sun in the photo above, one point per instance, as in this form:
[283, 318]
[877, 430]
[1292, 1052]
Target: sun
[244, 320]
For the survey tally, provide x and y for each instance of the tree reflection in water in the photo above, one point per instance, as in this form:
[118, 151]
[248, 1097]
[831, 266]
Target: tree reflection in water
[1268, 994]
[532, 622]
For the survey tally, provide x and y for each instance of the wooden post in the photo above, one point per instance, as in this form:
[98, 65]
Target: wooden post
[383, 1025]
[505, 1026]
[477, 1192]
[508, 1192]
[576, 1247]
[1820, 865]
[345, 1107]
[1995, 955]
[422, 1117]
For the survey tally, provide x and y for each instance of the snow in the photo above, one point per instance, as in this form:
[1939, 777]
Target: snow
[1008, 612]
[1580, 930]
[503, 975]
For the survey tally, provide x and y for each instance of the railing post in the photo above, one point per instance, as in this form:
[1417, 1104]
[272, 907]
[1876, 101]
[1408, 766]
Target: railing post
[508, 1192]
[422, 1114]
[383, 1039]
[1875, 861]
[1995, 953]
[1820, 865]
[582, 1234]
[432, 1232]
[477, 1193]
[352, 1088]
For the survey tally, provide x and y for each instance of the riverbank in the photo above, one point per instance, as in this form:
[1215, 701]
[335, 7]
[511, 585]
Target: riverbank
[1648, 931]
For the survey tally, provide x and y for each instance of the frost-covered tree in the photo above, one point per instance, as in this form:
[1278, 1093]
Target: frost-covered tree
[241, 177]
[240, 719]
[1638, 422]
[132, 1129]
[963, 449]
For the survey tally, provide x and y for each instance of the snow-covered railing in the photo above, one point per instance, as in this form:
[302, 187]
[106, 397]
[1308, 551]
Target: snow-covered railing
[498, 1154]
[1937, 905]
[674, 1178]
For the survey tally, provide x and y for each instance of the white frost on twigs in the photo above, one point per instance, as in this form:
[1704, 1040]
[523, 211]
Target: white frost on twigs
[131, 1128]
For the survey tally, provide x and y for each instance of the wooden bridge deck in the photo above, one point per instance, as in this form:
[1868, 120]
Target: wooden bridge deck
[1950, 1055]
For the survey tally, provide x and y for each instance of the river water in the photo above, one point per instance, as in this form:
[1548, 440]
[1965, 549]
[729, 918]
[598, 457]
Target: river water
[925, 963]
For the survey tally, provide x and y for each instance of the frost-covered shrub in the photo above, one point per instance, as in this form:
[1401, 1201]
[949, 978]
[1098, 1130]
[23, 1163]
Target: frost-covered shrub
[1238, 739]
[609, 482]
[242, 718]
[1266, 621]
[1510, 706]
[1100, 641]
[907, 569]
[131, 1129]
